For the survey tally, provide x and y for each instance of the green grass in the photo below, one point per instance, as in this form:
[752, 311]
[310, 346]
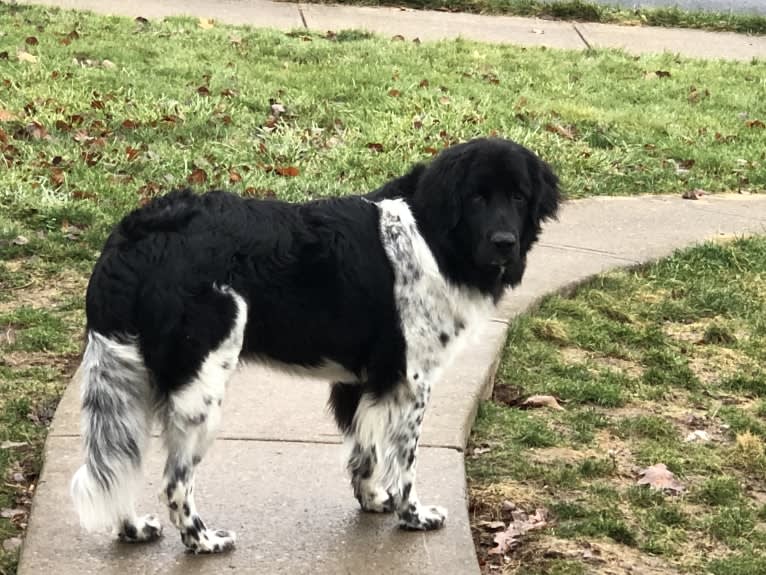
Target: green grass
[588, 12]
[675, 378]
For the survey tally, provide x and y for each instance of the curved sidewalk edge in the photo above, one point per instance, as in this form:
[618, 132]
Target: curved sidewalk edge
[276, 474]
[436, 25]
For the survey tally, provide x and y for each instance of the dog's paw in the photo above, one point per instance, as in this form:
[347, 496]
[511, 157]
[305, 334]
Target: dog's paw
[209, 540]
[376, 501]
[423, 518]
[147, 528]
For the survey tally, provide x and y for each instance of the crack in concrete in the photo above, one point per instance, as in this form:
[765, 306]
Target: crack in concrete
[571, 248]
[582, 37]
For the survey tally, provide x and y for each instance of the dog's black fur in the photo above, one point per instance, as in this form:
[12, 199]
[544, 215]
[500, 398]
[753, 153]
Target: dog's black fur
[316, 278]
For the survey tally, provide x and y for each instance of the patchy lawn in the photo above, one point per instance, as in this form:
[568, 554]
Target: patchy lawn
[98, 114]
[664, 365]
[585, 11]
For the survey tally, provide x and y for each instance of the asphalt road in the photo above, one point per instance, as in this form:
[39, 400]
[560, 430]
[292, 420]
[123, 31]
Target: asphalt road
[737, 6]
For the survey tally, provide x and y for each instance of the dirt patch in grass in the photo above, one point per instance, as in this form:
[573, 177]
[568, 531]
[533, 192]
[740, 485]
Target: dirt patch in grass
[41, 290]
[574, 355]
[597, 556]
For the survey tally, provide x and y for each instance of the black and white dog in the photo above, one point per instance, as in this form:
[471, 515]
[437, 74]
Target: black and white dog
[370, 291]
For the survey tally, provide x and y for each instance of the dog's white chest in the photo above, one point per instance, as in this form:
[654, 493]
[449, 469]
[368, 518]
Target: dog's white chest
[433, 312]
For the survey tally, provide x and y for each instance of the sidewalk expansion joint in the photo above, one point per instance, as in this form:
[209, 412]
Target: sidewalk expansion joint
[303, 18]
[580, 34]
[571, 248]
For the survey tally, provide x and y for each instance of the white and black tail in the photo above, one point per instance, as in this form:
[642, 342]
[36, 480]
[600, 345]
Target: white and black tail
[116, 424]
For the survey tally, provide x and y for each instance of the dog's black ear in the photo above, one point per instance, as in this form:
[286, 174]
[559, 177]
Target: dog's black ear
[438, 200]
[545, 189]
[545, 199]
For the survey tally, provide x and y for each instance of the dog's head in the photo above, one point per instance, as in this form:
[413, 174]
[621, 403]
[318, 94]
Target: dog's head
[480, 206]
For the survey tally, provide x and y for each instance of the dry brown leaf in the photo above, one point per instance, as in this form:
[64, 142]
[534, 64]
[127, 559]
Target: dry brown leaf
[234, 176]
[394, 92]
[288, 171]
[6, 116]
[37, 131]
[542, 401]
[563, 131]
[57, 177]
[659, 477]
[375, 146]
[31, 41]
[522, 523]
[491, 525]
[755, 124]
[198, 176]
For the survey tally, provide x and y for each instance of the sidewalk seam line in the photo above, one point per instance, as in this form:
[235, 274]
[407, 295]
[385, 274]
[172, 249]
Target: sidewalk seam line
[580, 34]
[571, 248]
[303, 17]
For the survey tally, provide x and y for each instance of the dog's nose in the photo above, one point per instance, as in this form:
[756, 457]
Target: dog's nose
[504, 241]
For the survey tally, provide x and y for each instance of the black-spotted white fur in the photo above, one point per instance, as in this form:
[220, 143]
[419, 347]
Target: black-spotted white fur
[373, 291]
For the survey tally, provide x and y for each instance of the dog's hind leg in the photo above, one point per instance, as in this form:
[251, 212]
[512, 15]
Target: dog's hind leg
[192, 416]
[345, 399]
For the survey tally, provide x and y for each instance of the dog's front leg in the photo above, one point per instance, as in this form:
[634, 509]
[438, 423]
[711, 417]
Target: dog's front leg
[405, 438]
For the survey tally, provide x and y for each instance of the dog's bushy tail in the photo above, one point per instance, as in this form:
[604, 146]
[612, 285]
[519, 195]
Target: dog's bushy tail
[116, 424]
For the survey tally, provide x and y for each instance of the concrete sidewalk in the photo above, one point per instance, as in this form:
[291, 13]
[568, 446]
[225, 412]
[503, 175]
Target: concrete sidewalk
[275, 475]
[431, 25]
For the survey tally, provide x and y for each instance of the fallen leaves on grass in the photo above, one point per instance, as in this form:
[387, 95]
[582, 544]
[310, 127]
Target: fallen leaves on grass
[659, 477]
[375, 146]
[696, 95]
[198, 176]
[6, 116]
[287, 171]
[542, 401]
[206, 23]
[755, 124]
[567, 132]
[657, 74]
[521, 523]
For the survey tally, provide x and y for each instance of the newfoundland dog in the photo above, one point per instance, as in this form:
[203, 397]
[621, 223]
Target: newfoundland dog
[371, 292]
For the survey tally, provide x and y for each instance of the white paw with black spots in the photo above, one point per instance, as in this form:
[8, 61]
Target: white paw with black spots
[147, 528]
[377, 501]
[423, 518]
[210, 541]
